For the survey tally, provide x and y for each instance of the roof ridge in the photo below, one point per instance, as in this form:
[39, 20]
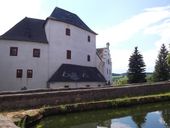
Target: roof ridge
[64, 10]
[65, 16]
[28, 29]
[32, 18]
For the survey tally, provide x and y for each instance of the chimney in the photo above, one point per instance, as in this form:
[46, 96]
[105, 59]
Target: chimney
[107, 45]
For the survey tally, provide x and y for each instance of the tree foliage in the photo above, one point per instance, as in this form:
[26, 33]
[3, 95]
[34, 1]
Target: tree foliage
[139, 119]
[136, 72]
[168, 59]
[121, 81]
[162, 69]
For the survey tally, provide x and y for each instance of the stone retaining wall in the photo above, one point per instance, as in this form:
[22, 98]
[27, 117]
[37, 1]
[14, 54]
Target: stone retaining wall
[39, 99]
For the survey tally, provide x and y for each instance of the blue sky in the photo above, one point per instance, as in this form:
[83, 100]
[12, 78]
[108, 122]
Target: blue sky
[123, 23]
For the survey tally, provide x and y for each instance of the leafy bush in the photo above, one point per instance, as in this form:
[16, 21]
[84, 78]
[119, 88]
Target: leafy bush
[121, 81]
[149, 78]
[115, 78]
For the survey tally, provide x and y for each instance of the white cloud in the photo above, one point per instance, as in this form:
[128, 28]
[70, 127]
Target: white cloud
[156, 112]
[12, 11]
[119, 125]
[162, 30]
[150, 57]
[125, 30]
[161, 121]
[152, 21]
[120, 60]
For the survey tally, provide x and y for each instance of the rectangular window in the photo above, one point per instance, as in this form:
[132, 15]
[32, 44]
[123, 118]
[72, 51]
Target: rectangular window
[68, 54]
[88, 38]
[88, 58]
[87, 86]
[67, 31]
[13, 51]
[29, 73]
[36, 52]
[66, 86]
[19, 73]
[108, 61]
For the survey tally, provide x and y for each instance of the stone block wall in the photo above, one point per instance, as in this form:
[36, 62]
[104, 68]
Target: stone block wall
[36, 99]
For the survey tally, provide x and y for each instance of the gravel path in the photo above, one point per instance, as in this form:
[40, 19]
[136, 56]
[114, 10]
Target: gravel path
[5, 122]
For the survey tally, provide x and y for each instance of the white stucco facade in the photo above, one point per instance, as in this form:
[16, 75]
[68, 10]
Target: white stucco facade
[104, 63]
[25, 61]
[61, 85]
[77, 43]
[52, 55]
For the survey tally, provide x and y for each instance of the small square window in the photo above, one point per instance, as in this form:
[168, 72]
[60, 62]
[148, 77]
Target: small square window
[88, 38]
[13, 51]
[87, 86]
[36, 52]
[68, 54]
[29, 73]
[67, 31]
[88, 58]
[19, 73]
[66, 86]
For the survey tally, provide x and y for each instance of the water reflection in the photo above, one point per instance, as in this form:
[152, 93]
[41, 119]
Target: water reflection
[152, 120]
[144, 116]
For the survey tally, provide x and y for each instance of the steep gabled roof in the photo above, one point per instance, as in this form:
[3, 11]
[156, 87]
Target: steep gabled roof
[100, 50]
[76, 73]
[28, 29]
[70, 18]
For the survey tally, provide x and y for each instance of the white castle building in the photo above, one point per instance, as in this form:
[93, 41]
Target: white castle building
[59, 52]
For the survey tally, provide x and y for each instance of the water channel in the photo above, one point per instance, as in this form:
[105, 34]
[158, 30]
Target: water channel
[155, 115]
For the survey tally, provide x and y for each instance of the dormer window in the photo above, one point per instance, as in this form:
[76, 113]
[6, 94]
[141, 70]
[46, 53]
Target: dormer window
[67, 31]
[88, 38]
[88, 58]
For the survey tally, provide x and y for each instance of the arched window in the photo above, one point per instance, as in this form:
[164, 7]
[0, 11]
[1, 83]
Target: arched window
[88, 58]
[88, 38]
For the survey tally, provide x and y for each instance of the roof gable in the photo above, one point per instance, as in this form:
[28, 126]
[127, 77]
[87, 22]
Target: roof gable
[28, 29]
[70, 18]
[76, 73]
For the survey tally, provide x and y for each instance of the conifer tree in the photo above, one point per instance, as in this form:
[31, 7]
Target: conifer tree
[136, 72]
[162, 69]
[168, 58]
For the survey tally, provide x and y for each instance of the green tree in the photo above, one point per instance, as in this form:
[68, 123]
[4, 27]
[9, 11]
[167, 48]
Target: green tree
[121, 81]
[168, 59]
[136, 72]
[166, 116]
[161, 72]
[139, 119]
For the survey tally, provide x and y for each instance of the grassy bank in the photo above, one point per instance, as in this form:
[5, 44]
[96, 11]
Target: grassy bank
[30, 117]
